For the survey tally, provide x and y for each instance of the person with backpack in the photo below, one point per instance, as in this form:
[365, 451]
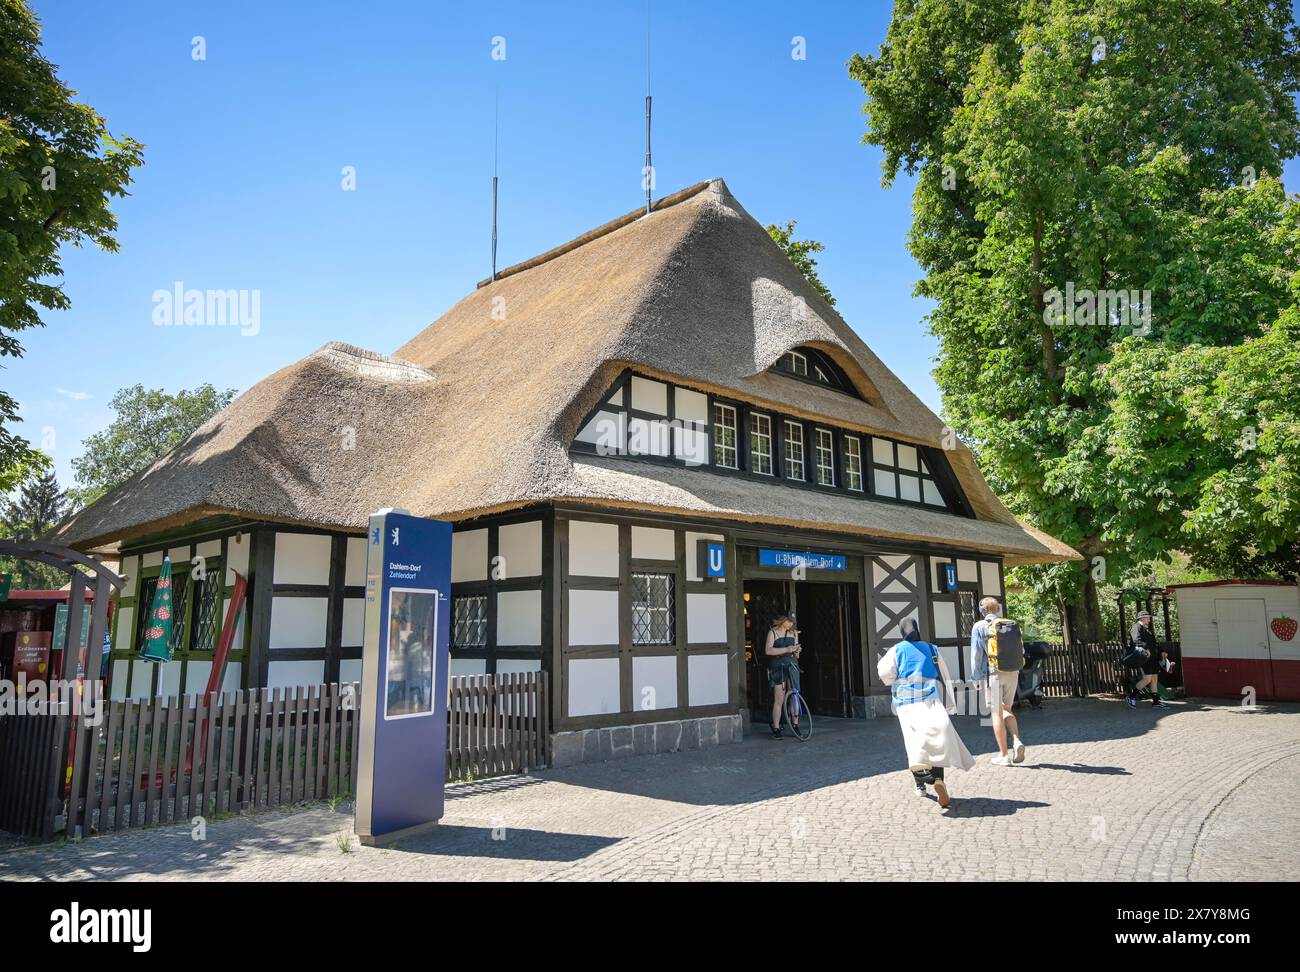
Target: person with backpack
[1140, 661]
[922, 700]
[997, 654]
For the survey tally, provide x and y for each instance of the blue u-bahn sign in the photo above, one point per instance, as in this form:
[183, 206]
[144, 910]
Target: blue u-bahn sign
[403, 758]
[811, 561]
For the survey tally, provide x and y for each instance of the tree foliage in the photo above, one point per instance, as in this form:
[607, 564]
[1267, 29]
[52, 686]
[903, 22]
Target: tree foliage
[59, 167]
[147, 424]
[39, 506]
[801, 253]
[1101, 145]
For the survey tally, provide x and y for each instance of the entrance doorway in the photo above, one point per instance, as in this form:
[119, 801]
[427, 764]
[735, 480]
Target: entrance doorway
[827, 619]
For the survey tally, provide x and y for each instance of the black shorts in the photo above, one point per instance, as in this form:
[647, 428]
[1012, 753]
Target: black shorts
[777, 671]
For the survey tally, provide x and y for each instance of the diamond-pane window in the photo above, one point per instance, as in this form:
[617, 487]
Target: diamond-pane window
[205, 622]
[652, 609]
[469, 621]
[181, 589]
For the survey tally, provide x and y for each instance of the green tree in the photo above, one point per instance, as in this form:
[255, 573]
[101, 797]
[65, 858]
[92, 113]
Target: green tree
[1074, 147]
[59, 167]
[800, 253]
[148, 423]
[39, 506]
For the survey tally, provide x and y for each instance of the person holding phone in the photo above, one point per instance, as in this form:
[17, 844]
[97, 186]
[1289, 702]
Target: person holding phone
[782, 651]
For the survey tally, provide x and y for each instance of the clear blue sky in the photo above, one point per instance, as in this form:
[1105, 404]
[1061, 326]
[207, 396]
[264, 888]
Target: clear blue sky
[244, 151]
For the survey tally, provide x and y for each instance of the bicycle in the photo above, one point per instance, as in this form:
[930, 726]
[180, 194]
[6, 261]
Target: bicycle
[796, 711]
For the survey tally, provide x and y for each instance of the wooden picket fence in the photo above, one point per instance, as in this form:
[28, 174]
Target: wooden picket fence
[171, 758]
[497, 724]
[1079, 670]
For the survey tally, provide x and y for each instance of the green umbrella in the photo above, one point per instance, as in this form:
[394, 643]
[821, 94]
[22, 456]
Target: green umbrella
[158, 632]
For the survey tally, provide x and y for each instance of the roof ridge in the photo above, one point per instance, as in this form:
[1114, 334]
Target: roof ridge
[375, 363]
[603, 230]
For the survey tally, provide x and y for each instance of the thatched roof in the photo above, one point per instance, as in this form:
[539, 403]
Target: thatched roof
[475, 414]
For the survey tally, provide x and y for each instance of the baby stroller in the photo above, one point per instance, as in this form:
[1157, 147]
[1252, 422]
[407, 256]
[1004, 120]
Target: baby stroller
[1029, 687]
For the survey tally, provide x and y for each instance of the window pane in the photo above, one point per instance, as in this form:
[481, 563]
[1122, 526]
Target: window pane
[469, 621]
[724, 436]
[825, 457]
[760, 444]
[652, 609]
[794, 450]
[205, 622]
[853, 462]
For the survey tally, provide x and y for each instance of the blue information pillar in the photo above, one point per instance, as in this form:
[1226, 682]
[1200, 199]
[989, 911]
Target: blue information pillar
[402, 765]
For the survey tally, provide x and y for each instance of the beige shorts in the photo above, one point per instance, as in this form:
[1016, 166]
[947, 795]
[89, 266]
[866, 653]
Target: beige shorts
[1001, 685]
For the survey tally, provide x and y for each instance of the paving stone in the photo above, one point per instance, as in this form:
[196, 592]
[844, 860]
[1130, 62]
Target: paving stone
[1105, 794]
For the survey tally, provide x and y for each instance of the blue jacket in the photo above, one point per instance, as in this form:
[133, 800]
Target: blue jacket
[979, 648]
[918, 676]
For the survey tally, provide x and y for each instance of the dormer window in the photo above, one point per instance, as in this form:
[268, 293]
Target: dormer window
[815, 367]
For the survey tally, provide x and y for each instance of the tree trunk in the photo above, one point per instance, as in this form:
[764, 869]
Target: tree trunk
[1083, 615]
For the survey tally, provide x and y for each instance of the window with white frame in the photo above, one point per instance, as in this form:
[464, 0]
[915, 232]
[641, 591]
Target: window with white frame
[652, 609]
[469, 621]
[793, 450]
[824, 454]
[853, 462]
[760, 443]
[795, 363]
[899, 471]
[724, 436]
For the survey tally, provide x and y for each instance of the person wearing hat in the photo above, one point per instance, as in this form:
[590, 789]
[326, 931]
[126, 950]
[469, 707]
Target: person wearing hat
[782, 651]
[1143, 657]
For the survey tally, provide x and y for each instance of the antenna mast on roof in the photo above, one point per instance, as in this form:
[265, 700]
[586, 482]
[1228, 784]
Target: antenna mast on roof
[648, 176]
[496, 135]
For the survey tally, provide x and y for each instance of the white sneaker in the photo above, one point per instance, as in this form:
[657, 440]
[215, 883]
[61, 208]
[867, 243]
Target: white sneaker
[1018, 751]
[1001, 761]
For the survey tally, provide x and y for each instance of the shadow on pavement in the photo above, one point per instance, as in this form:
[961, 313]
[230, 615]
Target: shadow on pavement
[450, 840]
[1082, 768]
[989, 807]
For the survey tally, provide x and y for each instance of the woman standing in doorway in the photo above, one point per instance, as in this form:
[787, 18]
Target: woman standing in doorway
[922, 694]
[782, 650]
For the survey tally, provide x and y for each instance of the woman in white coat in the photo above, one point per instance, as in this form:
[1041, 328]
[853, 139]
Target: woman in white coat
[922, 691]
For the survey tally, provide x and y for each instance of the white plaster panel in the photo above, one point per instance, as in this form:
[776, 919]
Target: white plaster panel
[931, 494]
[593, 617]
[909, 488]
[519, 618]
[354, 562]
[125, 627]
[989, 583]
[691, 445]
[651, 438]
[151, 559]
[354, 618]
[649, 396]
[616, 396]
[179, 555]
[287, 674]
[707, 680]
[117, 683]
[129, 567]
[607, 431]
[885, 484]
[654, 683]
[298, 622]
[196, 677]
[520, 548]
[649, 543]
[907, 457]
[208, 548]
[141, 680]
[968, 570]
[466, 667]
[593, 549]
[350, 670]
[302, 558]
[690, 406]
[512, 666]
[237, 555]
[882, 451]
[593, 686]
[706, 618]
[469, 555]
[945, 619]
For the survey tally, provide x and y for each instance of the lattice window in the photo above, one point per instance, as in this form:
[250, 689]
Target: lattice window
[652, 609]
[793, 450]
[469, 621]
[205, 622]
[724, 437]
[180, 597]
[760, 443]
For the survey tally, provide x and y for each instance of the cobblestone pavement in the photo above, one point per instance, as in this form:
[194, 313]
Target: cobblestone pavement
[1199, 792]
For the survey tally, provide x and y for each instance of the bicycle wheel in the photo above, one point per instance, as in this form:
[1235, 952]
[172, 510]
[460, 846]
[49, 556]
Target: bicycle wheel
[798, 716]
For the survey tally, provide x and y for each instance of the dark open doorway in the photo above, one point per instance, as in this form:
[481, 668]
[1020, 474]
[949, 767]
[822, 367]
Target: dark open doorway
[827, 617]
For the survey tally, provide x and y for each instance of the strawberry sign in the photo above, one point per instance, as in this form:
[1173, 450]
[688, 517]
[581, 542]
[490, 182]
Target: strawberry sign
[1284, 628]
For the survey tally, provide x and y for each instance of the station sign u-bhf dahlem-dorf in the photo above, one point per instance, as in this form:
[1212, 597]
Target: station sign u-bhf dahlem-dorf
[402, 765]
